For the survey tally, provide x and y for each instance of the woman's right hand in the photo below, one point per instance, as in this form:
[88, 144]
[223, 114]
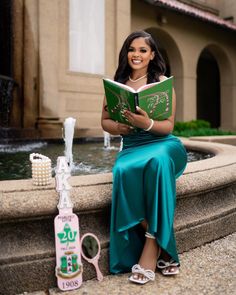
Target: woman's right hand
[113, 127]
[123, 128]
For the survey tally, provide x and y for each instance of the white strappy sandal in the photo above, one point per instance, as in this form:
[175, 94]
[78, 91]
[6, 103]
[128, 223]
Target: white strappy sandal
[147, 275]
[165, 266]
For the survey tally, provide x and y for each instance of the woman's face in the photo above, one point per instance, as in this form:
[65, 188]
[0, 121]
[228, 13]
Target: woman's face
[139, 54]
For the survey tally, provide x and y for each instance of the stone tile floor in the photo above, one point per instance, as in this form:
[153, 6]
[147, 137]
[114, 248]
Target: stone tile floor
[206, 270]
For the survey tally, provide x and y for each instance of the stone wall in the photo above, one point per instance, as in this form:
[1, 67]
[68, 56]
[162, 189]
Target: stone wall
[50, 92]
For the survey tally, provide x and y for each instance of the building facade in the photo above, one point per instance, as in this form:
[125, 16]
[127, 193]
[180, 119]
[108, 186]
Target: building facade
[61, 49]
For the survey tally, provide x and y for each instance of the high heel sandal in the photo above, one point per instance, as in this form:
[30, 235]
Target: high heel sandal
[147, 274]
[165, 267]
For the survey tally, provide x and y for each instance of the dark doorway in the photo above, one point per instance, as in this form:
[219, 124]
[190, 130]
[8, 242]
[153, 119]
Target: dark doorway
[6, 38]
[208, 89]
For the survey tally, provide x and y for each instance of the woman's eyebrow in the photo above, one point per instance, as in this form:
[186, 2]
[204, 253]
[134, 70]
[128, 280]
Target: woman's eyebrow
[142, 47]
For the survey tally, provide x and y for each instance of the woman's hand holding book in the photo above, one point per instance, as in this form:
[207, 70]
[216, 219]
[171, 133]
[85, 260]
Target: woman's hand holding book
[139, 119]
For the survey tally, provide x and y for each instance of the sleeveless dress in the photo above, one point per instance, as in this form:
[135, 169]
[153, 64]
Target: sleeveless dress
[144, 187]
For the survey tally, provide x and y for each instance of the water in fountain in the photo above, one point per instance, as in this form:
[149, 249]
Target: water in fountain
[88, 158]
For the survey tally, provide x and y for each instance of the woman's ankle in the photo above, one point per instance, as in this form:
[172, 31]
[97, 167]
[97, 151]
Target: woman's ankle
[149, 255]
[144, 224]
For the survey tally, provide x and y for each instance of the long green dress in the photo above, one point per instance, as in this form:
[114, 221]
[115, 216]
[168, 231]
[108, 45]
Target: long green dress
[144, 187]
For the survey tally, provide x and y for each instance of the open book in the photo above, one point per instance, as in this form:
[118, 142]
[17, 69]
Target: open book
[154, 98]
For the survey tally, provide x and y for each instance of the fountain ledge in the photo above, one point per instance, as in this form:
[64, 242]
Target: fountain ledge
[21, 199]
[206, 210]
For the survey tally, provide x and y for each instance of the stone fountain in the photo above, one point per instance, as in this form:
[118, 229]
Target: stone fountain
[206, 211]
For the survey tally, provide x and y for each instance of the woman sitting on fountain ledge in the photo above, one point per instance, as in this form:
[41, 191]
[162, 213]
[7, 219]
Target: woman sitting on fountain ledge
[144, 174]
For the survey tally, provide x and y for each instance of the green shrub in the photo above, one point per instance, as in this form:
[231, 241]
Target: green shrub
[194, 124]
[197, 128]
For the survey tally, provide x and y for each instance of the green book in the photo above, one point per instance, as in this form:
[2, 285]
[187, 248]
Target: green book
[154, 98]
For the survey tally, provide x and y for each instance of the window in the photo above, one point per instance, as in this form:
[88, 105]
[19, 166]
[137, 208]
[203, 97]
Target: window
[87, 36]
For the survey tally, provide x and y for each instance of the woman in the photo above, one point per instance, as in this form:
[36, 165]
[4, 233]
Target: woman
[144, 174]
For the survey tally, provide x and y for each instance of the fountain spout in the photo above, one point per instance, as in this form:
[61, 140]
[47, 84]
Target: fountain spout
[69, 125]
[107, 140]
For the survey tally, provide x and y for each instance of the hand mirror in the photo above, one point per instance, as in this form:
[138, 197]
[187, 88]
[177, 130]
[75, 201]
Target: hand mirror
[90, 251]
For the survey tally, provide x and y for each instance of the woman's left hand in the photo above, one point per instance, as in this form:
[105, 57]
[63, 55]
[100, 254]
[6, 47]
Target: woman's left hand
[139, 119]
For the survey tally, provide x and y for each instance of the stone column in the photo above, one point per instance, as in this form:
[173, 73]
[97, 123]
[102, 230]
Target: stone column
[228, 105]
[189, 107]
[17, 31]
[48, 121]
[118, 26]
[189, 98]
[30, 66]
[123, 22]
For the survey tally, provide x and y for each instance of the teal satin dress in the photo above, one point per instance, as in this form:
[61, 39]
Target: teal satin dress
[144, 187]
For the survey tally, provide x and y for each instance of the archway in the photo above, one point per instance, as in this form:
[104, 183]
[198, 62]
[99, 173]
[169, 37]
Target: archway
[162, 49]
[174, 63]
[208, 89]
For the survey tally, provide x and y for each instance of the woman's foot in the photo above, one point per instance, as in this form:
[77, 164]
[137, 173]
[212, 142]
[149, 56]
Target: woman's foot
[147, 261]
[141, 275]
[167, 265]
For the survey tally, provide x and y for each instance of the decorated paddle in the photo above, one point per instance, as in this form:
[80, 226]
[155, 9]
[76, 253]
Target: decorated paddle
[67, 236]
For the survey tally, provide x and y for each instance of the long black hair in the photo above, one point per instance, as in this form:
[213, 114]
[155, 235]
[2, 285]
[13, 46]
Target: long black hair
[156, 67]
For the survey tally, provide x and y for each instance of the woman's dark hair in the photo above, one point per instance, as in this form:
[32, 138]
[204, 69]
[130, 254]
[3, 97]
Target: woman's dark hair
[156, 66]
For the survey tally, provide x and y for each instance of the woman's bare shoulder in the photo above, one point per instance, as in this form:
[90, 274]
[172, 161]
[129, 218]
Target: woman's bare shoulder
[162, 78]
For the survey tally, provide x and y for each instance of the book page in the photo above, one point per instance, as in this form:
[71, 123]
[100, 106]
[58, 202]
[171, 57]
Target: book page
[118, 99]
[120, 85]
[151, 85]
[157, 99]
